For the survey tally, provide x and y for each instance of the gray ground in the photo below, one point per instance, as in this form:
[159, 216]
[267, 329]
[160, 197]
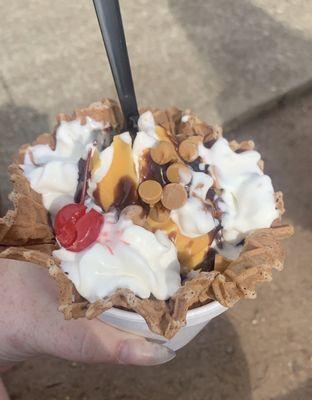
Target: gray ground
[241, 61]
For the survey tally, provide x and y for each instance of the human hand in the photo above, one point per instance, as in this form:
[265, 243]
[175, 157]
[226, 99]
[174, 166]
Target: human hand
[30, 325]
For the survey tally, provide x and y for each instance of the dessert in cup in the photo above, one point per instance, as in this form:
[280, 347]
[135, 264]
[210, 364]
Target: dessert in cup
[174, 220]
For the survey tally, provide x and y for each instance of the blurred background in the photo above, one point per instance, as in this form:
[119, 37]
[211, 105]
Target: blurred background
[246, 64]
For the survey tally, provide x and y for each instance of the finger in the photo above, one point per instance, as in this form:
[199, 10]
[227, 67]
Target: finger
[3, 392]
[37, 326]
[95, 342]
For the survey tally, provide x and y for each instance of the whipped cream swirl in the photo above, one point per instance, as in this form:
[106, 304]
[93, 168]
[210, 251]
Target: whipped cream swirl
[247, 198]
[124, 256]
[54, 173]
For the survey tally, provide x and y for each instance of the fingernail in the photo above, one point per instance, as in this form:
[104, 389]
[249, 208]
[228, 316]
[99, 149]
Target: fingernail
[141, 352]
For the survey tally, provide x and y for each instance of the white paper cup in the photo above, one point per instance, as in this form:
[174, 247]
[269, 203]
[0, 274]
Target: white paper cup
[196, 319]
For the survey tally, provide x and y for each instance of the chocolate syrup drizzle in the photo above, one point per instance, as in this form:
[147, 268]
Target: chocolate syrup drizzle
[102, 138]
[81, 175]
[125, 193]
[209, 143]
[153, 171]
[209, 262]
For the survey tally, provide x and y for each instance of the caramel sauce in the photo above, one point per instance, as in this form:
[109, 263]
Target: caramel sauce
[172, 236]
[125, 193]
[118, 186]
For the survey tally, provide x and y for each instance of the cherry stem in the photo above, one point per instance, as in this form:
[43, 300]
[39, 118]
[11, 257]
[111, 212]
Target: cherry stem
[85, 178]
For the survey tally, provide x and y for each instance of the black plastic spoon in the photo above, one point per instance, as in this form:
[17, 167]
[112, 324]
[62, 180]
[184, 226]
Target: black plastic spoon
[109, 17]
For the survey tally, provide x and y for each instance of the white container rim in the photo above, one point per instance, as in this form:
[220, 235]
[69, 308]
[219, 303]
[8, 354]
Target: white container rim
[191, 314]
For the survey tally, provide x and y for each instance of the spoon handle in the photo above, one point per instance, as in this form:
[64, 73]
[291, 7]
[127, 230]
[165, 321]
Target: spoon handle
[109, 18]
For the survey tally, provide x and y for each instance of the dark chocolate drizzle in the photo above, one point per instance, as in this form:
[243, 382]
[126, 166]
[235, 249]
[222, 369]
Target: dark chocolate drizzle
[102, 138]
[219, 238]
[195, 166]
[209, 263]
[153, 171]
[210, 194]
[125, 193]
[209, 143]
[81, 174]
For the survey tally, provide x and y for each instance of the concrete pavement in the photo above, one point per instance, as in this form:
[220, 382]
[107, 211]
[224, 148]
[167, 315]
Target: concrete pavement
[226, 60]
[222, 58]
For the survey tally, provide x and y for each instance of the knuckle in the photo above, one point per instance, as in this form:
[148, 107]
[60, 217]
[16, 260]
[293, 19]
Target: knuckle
[89, 348]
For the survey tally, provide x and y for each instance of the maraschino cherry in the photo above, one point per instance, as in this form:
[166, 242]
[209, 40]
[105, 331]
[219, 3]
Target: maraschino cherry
[75, 227]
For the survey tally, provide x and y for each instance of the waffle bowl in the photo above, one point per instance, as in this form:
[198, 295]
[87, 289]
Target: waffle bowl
[26, 234]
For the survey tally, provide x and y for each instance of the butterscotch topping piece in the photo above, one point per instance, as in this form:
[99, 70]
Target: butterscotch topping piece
[203, 129]
[174, 196]
[242, 146]
[135, 213]
[150, 191]
[188, 150]
[162, 134]
[163, 152]
[179, 173]
[186, 129]
[180, 137]
[195, 139]
[159, 213]
[211, 134]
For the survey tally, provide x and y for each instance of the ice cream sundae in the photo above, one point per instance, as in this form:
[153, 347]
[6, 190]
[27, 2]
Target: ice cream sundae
[168, 220]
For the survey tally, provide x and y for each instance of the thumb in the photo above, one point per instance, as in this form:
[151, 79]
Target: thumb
[30, 324]
[94, 342]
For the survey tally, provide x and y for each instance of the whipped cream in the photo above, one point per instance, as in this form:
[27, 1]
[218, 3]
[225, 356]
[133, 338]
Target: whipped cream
[142, 142]
[228, 250]
[185, 118]
[126, 137]
[193, 219]
[54, 173]
[124, 256]
[106, 158]
[200, 184]
[145, 138]
[229, 168]
[250, 206]
[146, 123]
[56, 181]
[247, 198]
